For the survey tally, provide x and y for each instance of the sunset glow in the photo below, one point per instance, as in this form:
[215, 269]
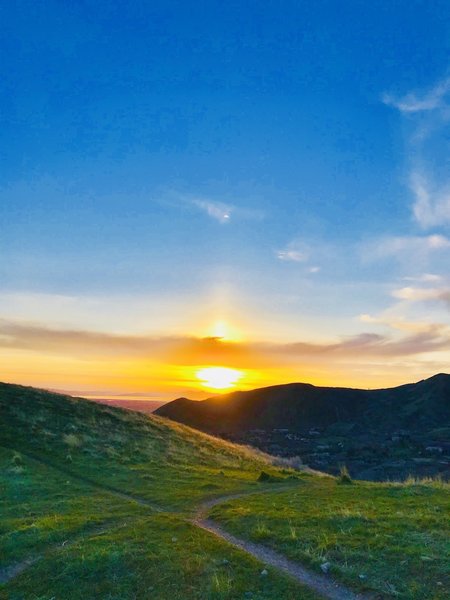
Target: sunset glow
[224, 249]
[219, 378]
[224, 330]
[220, 330]
[195, 211]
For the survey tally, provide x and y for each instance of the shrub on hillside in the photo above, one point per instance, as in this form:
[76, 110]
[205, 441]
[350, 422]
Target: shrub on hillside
[71, 440]
[267, 478]
[344, 477]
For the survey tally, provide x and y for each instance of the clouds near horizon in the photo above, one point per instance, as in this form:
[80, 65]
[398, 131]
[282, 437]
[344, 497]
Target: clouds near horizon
[190, 349]
[174, 168]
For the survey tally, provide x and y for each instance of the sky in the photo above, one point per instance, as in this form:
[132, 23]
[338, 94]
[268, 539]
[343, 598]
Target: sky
[257, 186]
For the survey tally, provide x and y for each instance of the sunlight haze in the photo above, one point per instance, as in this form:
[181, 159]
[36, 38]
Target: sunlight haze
[193, 187]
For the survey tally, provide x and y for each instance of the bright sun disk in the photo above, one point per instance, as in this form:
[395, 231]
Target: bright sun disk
[219, 378]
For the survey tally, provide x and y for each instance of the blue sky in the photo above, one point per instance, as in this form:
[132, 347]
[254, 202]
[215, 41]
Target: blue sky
[280, 166]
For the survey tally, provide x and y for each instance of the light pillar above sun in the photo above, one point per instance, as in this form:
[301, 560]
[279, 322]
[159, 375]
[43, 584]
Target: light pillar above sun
[220, 330]
[224, 330]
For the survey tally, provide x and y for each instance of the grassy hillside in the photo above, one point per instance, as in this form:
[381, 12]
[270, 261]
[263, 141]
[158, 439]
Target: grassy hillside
[165, 463]
[91, 544]
[97, 502]
[379, 434]
[62, 460]
[390, 538]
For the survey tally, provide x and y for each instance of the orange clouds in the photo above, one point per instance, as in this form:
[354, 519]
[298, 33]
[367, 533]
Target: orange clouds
[36, 354]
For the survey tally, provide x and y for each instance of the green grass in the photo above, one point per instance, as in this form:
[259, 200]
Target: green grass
[156, 557]
[166, 463]
[41, 507]
[94, 544]
[64, 463]
[394, 539]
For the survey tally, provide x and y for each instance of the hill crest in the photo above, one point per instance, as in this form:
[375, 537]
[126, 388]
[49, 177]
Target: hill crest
[379, 434]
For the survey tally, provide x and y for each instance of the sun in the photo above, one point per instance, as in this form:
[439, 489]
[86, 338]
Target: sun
[219, 378]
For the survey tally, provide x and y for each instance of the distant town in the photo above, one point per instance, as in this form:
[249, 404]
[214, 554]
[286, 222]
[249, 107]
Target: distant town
[368, 455]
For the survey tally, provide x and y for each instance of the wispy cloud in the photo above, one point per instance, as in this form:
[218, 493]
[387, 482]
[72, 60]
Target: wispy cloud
[216, 210]
[298, 252]
[429, 115]
[15, 334]
[222, 212]
[426, 278]
[191, 350]
[366, 345]
[414, 102]
[412, 247]
[417, 294]
[292, 255]
[431, 206]
[295, 251]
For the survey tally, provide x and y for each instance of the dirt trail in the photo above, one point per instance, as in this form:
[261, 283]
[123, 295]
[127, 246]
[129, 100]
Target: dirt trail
[12, 571]
[322, 584]
[99, 486]
[8, 573]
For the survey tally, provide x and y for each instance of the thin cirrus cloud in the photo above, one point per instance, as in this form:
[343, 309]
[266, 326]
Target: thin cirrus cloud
[426, 278]
[295, 251]
[369, 345]
[416, 294]
[292, 255]
[413, 103]
[224, 213]
[398, 323]
[216, 210]
[428, 114]
[432, 205]
[411, 247]
[191, 350]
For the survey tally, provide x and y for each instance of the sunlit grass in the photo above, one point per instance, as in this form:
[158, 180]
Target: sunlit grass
[391, 538]
[93, 544]
[166, 463]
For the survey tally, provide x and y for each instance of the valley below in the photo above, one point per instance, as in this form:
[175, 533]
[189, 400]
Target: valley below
[379, 435]
[370, 455]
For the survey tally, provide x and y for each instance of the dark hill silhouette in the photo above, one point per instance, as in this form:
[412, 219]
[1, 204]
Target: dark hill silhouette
[378, 434]
[425, 404]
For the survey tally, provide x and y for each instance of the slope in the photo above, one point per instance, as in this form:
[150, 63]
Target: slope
[96, 503]
[379, 434]
[102, 503]
[165, 463]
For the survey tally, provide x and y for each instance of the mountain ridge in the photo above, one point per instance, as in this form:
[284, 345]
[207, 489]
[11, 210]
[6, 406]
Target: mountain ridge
[379, 434]
[298, 393]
